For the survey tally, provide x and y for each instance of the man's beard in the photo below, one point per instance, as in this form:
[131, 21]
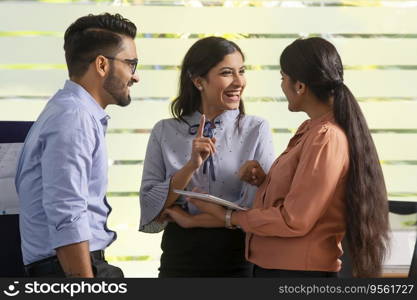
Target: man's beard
[115, 87]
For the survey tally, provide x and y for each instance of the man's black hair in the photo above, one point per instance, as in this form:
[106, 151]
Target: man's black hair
[94, 35]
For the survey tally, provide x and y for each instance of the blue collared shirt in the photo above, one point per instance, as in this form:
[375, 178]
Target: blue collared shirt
[169, 149]
[61, 176]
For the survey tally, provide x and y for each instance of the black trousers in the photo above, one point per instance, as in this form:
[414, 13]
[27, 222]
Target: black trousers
[203, 252]
[50, 267]
[277, 273]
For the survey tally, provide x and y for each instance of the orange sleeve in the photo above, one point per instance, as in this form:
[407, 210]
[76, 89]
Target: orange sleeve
[323, 162]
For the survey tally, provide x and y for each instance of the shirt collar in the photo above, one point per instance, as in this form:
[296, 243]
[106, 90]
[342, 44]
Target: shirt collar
[87, 101]
[227, 117]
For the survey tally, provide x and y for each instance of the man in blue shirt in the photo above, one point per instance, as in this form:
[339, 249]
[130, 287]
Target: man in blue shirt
[61, 177]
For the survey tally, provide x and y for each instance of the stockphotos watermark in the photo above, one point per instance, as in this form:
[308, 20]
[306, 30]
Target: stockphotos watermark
[69, 288]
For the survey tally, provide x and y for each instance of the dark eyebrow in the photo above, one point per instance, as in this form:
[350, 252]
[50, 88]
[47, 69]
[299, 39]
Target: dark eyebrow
[231, 69]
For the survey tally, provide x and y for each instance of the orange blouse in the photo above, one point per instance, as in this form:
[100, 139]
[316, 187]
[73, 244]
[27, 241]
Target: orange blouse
[298, 218]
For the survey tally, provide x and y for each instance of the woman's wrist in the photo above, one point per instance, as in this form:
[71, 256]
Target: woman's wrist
[234, 220]
[220, 214]
[191, 165]
[261, 180]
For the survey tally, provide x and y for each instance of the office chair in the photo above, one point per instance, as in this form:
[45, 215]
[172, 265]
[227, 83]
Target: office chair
[11, 262]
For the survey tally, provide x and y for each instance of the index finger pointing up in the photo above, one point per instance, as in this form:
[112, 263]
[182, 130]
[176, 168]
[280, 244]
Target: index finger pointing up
[201, 127]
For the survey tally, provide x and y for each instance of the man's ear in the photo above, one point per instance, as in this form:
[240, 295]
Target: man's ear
[101, 65]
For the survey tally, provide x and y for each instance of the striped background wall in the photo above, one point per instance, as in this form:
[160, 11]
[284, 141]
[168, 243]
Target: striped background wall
[377, 41]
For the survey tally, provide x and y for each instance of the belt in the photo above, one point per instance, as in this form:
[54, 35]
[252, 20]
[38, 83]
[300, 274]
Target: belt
[97, 255]
[51, 265]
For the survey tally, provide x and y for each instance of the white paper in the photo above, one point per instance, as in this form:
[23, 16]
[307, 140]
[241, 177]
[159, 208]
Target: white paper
[210, 198]
[9, 154]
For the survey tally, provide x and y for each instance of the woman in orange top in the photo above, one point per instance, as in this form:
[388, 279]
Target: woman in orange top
[328, 183]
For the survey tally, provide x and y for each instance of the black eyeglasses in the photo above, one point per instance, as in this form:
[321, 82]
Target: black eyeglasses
[133, 63]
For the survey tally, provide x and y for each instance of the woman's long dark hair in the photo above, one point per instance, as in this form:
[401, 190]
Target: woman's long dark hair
[316, 63]
[198, 61]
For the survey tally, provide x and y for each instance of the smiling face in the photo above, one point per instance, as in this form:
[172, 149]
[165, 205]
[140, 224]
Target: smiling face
[120, 77]
[222, 87]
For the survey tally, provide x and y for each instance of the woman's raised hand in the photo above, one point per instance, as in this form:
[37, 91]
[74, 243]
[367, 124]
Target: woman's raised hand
[202, 146]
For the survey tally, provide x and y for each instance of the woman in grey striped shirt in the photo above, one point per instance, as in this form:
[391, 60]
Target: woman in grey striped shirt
[203, 146]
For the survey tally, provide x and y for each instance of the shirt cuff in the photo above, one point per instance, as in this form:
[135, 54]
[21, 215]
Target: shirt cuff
[75, 232]
[151, 205]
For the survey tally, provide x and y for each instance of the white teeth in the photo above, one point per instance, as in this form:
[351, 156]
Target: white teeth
[234, 95]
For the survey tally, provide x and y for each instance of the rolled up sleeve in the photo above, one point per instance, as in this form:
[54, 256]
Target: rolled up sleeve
[323, 162]
[66, 168]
